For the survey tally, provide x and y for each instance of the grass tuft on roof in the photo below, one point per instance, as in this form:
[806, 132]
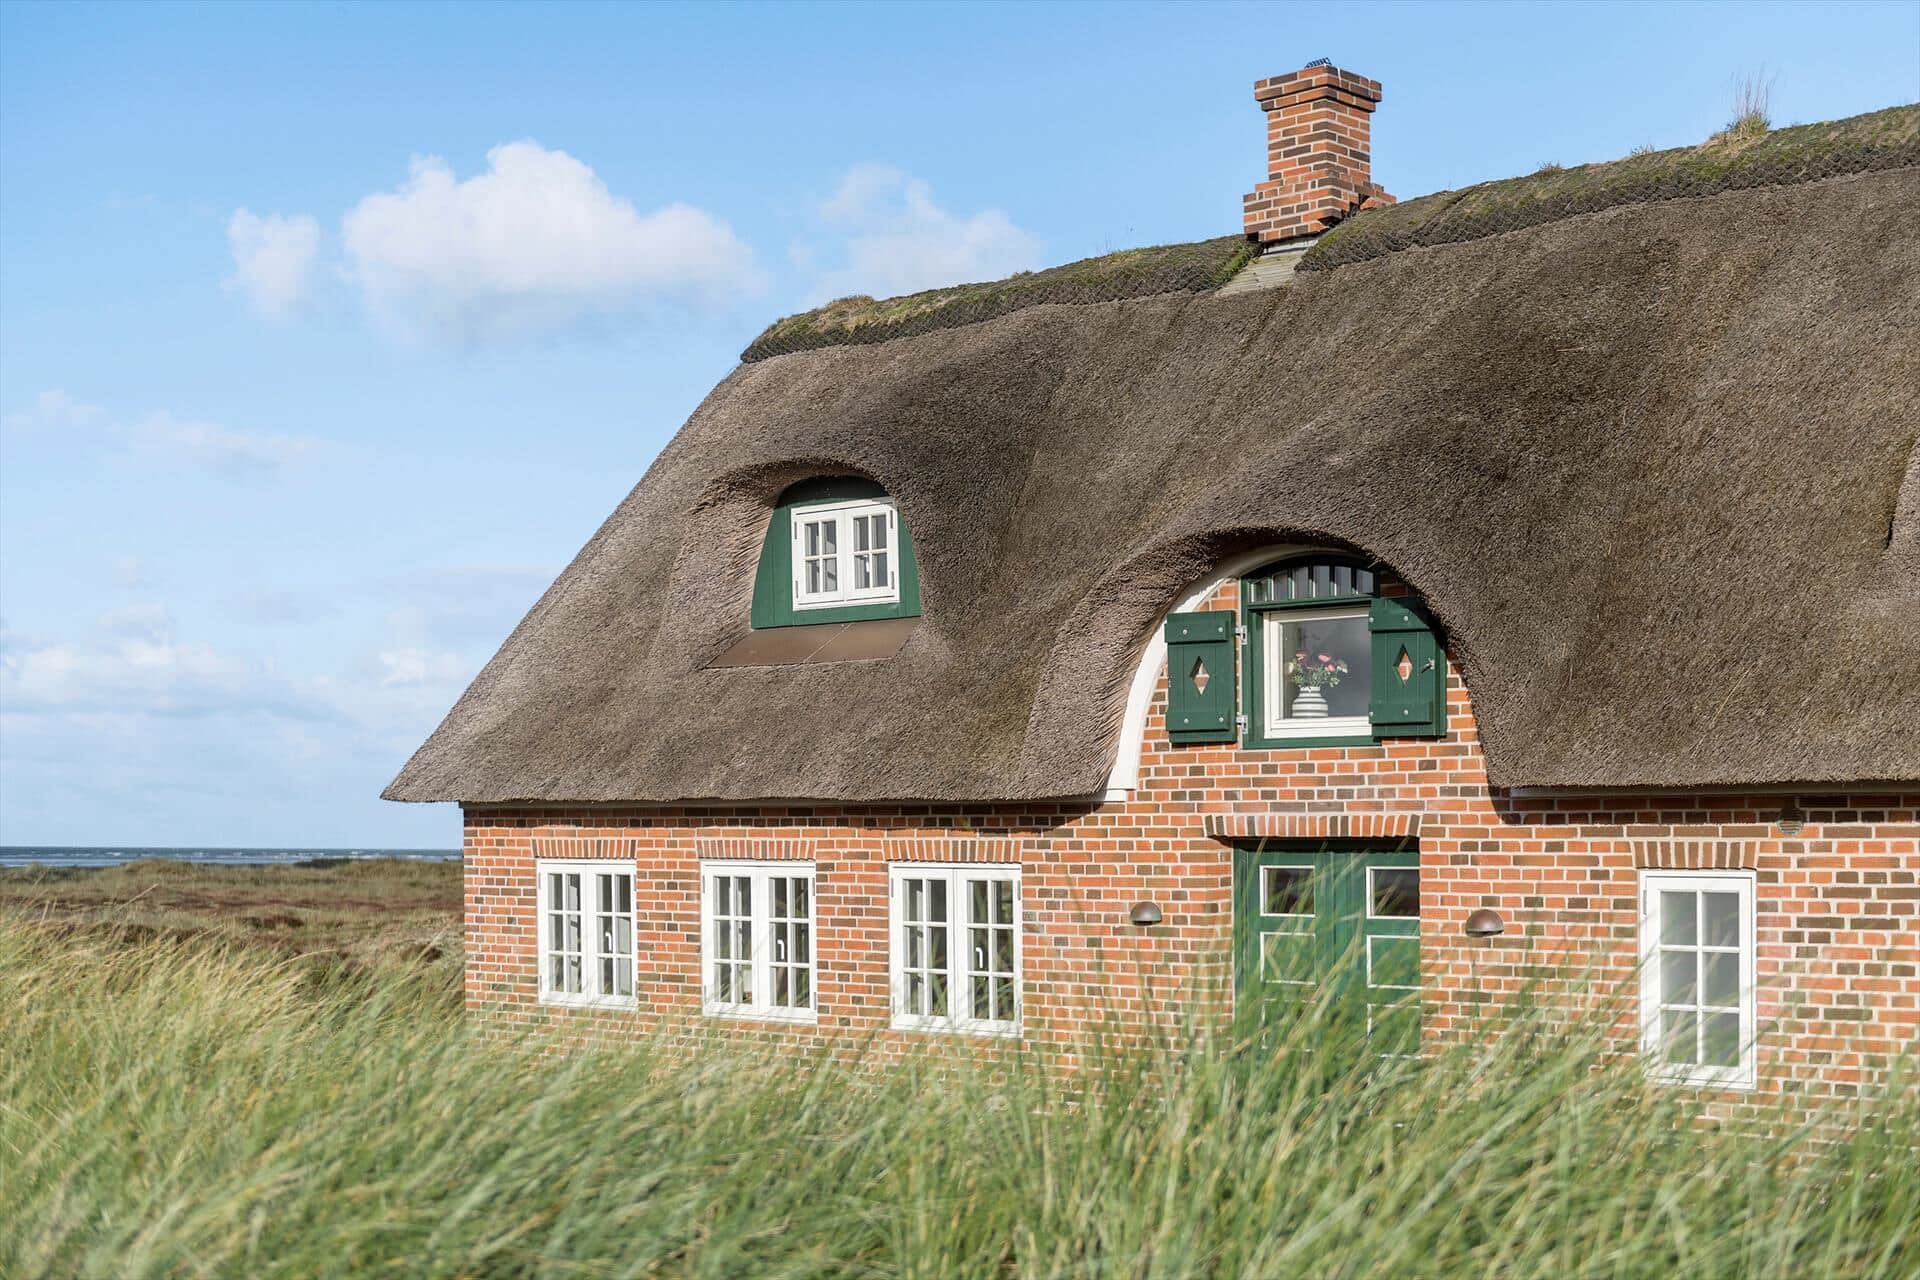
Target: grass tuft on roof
[1130, 273]
[1739, 157]
[1734, 159]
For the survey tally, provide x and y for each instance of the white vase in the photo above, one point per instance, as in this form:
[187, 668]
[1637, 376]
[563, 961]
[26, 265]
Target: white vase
[1309, 703]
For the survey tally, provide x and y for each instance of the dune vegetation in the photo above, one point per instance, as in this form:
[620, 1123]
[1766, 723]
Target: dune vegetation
[356, 911]
[200, 1107]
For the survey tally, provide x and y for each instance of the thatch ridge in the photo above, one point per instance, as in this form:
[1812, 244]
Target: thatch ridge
[1110, 277]
[1731, 161]
[1653, 468]
[1888, 139]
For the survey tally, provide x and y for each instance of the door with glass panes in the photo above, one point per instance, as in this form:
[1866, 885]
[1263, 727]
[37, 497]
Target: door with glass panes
[1343, 922]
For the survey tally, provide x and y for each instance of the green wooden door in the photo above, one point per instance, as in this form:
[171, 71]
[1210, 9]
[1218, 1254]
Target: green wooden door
[1340, 922]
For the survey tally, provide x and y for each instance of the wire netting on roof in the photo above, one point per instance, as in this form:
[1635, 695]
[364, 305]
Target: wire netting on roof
[1132, 273]
[1732, 161]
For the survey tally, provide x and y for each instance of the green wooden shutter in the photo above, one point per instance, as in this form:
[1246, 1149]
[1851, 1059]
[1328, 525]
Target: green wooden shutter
[1413, 704]
[1200, 677]
[773, 580]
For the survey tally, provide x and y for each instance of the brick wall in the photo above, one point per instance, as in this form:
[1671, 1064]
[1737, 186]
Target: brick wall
[1319, 153]
[1837, 901]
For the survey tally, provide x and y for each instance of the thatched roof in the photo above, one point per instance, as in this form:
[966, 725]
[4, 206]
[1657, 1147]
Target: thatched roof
[1199, 267]
[1735, 160]
[1732, 161]
[1654, 468]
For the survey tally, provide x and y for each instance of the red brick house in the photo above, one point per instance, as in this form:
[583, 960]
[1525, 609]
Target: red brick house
[1529, 572]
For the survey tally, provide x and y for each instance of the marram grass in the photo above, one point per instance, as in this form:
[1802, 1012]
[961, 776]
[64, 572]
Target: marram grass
[170, 1109]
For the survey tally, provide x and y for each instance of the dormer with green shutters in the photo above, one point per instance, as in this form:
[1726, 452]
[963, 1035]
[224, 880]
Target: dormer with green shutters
[1317, 656]
[836, 550]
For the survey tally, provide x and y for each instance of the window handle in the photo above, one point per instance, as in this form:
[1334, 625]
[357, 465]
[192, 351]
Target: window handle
[779, 948]
[980, 958]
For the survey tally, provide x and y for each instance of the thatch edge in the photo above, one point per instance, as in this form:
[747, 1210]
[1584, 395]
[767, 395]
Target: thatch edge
[1886, 139]
[1826, 241]
[1197, 266]
[1877, 140]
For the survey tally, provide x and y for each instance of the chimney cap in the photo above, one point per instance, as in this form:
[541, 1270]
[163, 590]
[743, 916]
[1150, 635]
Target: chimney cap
[1318, 79]
[1319, 163]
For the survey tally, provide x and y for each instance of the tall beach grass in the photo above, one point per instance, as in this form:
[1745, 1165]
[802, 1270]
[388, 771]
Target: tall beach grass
[174, 1109]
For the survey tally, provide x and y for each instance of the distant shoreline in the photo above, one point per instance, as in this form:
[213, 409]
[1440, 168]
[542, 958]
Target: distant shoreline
[101, 856]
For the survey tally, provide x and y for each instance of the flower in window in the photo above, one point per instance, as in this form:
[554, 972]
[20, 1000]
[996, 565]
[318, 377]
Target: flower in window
[1321, 671]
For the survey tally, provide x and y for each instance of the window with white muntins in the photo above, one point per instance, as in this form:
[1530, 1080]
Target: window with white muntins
[586, 933]
[1697, 1009]
[956, 948]
[844, 553]
[1317, 673]
[756, 951]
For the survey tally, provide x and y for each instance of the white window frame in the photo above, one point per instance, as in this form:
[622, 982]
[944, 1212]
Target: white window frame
[1372, 898]
[592, 953]
[1652, 883]
[763, 953]
[1266, 869]
[1273, 661]
[843, 515]
[961, 964]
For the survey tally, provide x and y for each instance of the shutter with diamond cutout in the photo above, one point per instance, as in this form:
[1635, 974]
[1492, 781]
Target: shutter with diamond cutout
[1200, 677]
[1409, 672]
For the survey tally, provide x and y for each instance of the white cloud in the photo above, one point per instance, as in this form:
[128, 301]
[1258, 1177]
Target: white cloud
[152, 623]
[470, 606]
[269, 606]
[273, 259]
[134, 724]
[143, 670]
[218, 448]
[408, 667]
[132, 573]
[535, 242]
[57, 411]
[163, 437]
[898, 239]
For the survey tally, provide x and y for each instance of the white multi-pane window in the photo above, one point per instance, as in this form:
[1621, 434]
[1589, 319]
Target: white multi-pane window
[956, 948]
[1696, 976]
[586, 933]
[757, 942]
[1317, 676]
[846, 553]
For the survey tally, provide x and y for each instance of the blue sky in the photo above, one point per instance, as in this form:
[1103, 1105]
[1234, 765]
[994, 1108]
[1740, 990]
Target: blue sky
[328, 333]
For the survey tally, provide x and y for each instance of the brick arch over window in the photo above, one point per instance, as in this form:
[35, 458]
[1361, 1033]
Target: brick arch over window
[1106, 660]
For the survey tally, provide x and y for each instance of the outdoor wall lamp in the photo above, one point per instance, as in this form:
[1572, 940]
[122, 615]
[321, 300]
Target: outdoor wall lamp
[1144, 913]
[1485, 924]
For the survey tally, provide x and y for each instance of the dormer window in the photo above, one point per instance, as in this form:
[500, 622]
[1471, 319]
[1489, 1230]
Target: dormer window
[1316, 680]
[836, 551]
[844, 553]
[1328, 661]
[1315, 650]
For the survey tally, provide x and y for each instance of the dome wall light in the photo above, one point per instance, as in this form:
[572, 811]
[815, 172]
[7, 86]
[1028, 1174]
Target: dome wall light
[1485, 923]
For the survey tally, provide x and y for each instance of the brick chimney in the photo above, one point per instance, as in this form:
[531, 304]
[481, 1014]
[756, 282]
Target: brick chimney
[1319, 164]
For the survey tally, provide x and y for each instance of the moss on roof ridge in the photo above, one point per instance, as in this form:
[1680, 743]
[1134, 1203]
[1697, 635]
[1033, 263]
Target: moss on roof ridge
[1729, 161]
[1130, 273]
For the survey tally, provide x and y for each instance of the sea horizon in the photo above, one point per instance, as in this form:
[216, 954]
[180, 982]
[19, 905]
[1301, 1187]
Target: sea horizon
[111, 855]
